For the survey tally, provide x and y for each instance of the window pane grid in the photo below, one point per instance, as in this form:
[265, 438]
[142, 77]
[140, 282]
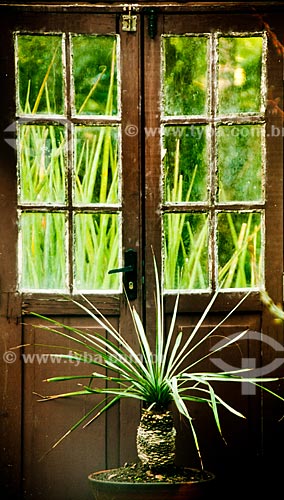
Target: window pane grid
[233, 173]
[63, 179]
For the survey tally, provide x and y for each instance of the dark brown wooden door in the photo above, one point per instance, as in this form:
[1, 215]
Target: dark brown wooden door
[150, 135]
[248, 440]
[35, 426]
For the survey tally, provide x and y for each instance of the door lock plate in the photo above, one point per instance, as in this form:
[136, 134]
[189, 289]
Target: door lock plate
[129, 273]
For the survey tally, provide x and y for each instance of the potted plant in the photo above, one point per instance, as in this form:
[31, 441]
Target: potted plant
[158, 380]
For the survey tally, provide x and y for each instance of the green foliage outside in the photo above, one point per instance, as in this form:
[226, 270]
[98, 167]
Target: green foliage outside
[240, 64]
[40, 74]
[95, 74]
[185, 70]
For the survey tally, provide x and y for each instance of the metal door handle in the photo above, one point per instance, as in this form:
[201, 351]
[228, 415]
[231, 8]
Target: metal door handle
[130, 273]
[126, 269]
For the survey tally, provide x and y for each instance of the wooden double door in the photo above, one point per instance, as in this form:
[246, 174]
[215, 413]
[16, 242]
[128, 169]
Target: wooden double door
[136, 130]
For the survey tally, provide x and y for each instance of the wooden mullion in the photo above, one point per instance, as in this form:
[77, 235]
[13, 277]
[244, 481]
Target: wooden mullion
[185, 120]
[153, 209]
[70, 145]
[213, 99]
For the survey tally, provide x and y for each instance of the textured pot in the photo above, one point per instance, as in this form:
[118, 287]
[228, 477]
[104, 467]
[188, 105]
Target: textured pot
[110, 490]
[156, 438]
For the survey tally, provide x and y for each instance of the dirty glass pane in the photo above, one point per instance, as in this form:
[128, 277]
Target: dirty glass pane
[185, 251]
[185, 163]
[240, 163]
[240, 253]
[42, 163]
[40, 74]
[96, 164]
[185, 75]
[239, 78]
[43, 251]
[95, 74]
[97, 239]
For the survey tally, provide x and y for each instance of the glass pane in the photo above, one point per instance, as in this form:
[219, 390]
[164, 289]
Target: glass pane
[43, 252]
[185, 163]
[185, 251]
[42, 163]
[40, 74]
[95, 74]
[96, 165]
[240, 163]
[240, 252]
[239, 81]
[97, 243]
[185, 75]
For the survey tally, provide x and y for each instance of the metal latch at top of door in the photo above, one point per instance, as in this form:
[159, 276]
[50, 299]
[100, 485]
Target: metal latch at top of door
[129, 21]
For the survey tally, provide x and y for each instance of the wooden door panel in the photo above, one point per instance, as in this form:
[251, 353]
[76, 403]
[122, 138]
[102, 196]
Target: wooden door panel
[242, 354]
[45, 422]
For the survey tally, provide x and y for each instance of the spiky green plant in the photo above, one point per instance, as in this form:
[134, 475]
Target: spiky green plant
[159, 378]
